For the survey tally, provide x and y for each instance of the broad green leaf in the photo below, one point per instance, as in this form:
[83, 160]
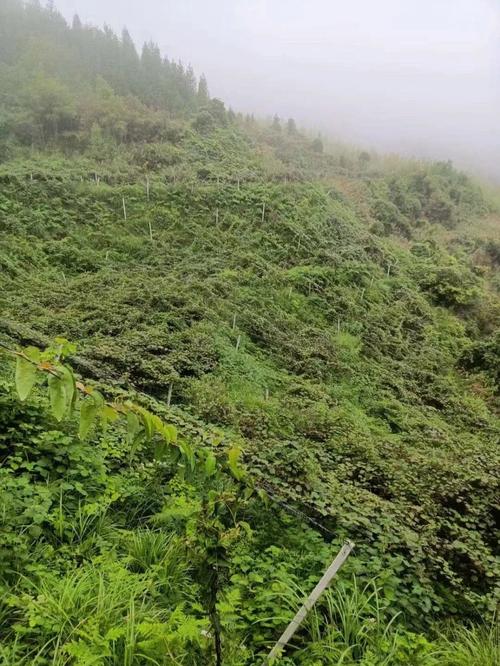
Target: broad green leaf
[98, 399]
[170, 432]
[233, 456]
[161, 450]
[68, 381]
[57, 395]
[147, 423]
[26, 373]
[187, 452]
[108, 415]
[33, 353]
[133, 426]
[88, 413]
[210, 464]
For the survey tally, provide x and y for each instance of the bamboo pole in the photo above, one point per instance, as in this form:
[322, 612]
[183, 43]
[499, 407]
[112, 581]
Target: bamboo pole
[301, 614]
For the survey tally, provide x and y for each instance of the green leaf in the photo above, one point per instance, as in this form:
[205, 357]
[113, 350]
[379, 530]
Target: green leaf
[170, 432]
[147, 423]
[26, 374]
[57, 395]
[68, 381]
[98, 399]
[88, 413]
[233, 456]
[187, 452]
[108, 415]
[161, 450]
[133, 426]
[210, 464]
[246, 527]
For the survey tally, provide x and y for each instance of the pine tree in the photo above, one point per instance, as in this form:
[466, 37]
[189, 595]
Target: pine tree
[203, 95]
[317, 145]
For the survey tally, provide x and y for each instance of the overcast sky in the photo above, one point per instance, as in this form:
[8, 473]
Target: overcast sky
[419, 77]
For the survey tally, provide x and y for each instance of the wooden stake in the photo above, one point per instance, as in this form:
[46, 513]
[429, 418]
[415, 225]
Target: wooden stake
[238, 341]
[150, 231]
[238, 184]
[311, 600]
[263, 211]
[124, 209]
[338, 325]
[169, 394]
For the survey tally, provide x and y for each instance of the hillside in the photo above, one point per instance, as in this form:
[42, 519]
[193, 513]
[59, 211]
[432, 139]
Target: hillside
[332, 314]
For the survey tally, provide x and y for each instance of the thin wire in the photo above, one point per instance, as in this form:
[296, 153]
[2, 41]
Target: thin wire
[291, 509]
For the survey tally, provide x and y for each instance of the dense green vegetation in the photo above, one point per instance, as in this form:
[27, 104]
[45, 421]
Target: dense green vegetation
[332, 315]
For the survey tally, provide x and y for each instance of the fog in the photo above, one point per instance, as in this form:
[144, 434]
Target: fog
[417, 77]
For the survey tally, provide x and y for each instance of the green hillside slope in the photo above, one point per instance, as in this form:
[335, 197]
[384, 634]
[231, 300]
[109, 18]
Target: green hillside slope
[335, 316]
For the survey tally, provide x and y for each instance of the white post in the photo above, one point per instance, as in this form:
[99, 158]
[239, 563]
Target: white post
[263, 211]
[238, 342]
[311, 600]
[169, 394]
[124, 209]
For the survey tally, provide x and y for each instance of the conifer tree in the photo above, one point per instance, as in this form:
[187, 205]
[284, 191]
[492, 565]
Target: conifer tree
[203, 95]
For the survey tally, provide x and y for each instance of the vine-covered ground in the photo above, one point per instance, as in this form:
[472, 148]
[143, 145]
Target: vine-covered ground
[334, 316]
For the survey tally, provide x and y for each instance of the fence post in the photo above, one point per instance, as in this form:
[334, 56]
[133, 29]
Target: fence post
[301, 614]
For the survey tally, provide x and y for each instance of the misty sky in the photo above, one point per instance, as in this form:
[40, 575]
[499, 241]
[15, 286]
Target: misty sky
[420, 77]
